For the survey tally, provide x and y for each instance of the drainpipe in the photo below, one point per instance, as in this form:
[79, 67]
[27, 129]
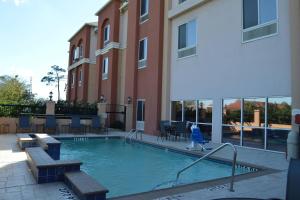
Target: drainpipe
[293, 137]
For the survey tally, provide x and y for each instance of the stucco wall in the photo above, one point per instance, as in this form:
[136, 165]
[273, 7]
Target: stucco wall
[224, 67]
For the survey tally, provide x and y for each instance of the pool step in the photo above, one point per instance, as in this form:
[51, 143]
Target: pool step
[81, 139]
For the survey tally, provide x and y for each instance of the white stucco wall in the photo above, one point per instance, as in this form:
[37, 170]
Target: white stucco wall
[224, 67]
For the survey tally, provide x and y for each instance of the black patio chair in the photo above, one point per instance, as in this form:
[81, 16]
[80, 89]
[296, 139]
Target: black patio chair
[163, 129]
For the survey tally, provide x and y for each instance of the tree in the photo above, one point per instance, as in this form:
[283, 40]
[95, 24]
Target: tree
[14, 90]
[54, 76]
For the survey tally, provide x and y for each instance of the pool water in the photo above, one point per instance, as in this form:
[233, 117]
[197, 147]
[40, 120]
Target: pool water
[133, 168]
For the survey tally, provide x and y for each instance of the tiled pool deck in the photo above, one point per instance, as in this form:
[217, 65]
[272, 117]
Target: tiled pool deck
[16, 181]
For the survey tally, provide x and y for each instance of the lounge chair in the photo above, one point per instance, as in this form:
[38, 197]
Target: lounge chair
[24, 125]
[197, 137]
[50, 125]
[75, 126]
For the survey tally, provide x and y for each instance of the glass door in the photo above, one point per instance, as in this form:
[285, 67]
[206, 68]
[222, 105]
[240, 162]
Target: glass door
[140, 115]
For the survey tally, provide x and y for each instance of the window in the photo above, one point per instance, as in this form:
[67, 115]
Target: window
[259, 18]
[106, 34]
[143, 47]
[105, 69]
[176, 111]
[81, 51]
[257, 122]
[80, 77]
[187, 39]
[144, 10]
[181, 1]
[189, 111]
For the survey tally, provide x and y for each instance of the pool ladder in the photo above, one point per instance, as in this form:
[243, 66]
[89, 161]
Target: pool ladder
[209, 154]
[81, 138]
[132, 133]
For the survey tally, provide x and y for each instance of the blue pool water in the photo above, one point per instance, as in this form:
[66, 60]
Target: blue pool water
[133, 168]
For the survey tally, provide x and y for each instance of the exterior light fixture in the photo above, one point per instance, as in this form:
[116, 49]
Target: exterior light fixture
[129, 100]
[102, 99]
[51, 95]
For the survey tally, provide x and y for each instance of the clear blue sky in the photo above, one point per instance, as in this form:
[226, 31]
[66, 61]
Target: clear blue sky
[34, 36]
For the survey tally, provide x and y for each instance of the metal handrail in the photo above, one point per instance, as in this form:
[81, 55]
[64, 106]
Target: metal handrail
[131, 132]
[209, 154]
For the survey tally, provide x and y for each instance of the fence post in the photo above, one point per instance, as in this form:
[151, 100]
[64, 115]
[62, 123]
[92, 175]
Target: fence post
[50, 108]
[129, 114]
[102, 112]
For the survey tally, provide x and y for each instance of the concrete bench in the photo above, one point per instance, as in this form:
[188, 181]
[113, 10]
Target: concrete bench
[50, 144]
[26, 141]
[84, 186]
[47, 170]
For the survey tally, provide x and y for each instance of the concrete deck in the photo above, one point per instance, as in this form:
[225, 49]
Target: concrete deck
[16, 181]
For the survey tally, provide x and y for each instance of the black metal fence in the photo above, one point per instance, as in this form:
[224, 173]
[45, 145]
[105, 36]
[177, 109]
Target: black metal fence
[15, 110]
[116, 116]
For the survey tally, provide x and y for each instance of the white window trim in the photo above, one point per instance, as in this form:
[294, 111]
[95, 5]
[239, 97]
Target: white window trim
[105, 64]
[145, 53]
[147, 10]
[259, 25]
[108, 34]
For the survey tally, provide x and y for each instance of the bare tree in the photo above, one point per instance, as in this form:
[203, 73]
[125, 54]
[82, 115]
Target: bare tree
[54, 76]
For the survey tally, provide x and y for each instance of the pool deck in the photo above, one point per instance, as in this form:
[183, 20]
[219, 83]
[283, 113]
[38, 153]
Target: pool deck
[16, 181]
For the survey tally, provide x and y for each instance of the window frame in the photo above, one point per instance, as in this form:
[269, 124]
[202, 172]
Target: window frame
[105, 65]
[259, 25]
[106, 28]
[147, 8]
[188, 47]
[145, 39]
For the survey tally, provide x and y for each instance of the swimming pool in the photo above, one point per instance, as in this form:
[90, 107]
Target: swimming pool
[135, 167]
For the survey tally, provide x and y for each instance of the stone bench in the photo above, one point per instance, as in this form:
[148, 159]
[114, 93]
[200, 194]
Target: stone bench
[84, 186]
[50, 144]
[45, 169]
[25, 141]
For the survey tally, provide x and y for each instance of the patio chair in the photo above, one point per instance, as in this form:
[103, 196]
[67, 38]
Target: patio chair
[96, 125]
[75, 126]
[180, 130]
[50, 125]
[24, 125]
[163, 132]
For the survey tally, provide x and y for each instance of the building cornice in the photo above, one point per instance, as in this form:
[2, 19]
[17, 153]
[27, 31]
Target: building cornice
[80, 62]
[185, 7]
[108, 47]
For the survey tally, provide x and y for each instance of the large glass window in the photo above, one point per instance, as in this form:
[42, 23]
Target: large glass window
[204, 113]
[140, 110]
[176, 111]
[257, 122]
[190, 111]
[231, 130]
[279, 122]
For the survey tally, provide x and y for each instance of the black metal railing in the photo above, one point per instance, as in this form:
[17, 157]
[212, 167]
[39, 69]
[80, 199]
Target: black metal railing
[68, 109]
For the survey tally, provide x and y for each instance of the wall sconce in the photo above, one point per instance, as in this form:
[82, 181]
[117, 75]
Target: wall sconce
[129, 100]
[51, 95]
[102, 99]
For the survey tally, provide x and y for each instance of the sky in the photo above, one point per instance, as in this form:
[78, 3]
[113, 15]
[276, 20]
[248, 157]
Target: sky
[34, 36]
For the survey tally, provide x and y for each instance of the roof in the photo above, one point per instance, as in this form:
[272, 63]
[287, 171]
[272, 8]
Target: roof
[93, 24]
[103, 7]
